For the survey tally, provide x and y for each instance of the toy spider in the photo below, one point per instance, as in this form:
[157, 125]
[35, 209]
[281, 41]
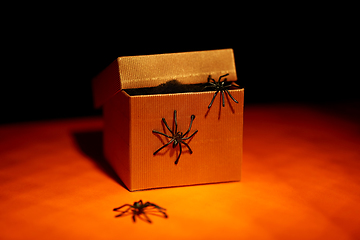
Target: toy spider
[177, 138]
[139, 208]
[220, 87]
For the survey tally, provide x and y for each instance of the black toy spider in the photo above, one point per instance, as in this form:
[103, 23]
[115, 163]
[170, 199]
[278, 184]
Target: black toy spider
[220, 87]
[139, 208]
[177, 138]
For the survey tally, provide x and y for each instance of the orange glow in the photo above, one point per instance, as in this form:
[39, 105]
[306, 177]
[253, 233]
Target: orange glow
[301, 180]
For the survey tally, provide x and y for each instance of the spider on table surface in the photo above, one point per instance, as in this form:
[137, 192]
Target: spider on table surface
[141, 209]
[177, 138]
[220, 87]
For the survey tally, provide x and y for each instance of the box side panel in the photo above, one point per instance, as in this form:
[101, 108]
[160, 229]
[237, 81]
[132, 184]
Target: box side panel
[117, 134]
[217, 146]
[106, 84]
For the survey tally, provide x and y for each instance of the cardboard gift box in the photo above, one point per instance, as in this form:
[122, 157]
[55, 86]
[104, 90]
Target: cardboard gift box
[132, 122]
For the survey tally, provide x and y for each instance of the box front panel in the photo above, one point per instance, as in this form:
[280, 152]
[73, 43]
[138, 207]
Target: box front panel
[217, 146]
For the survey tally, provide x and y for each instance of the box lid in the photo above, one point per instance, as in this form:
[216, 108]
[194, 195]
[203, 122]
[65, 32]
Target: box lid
[153, 70]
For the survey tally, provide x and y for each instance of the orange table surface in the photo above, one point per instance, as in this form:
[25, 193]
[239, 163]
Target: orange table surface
[300, 180]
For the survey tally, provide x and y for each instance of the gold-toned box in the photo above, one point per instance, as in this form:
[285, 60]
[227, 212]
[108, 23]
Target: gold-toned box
[132, 122]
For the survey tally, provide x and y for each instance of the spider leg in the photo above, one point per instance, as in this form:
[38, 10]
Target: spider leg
[178, 157]
[213, 85]
[223, 98]
[154, 131]
[191, 121]
[231, 96]
[167, 126]
[163, 146]
[234, 84]
[159, 210]
[115, 209]
[119, 215]
[146, 217]
[175, 120]
[164, 213]
[212, 100]
[154, 205]
[209, 78]
[228, 86]
[190, 135]
[223, 76]
[187, 146]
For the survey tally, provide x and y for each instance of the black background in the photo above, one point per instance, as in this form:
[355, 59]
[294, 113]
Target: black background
[50, 58]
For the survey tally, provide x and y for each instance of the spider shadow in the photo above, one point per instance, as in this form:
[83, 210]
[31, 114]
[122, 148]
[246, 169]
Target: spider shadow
[90, 143]
[220, 105]
[140, 216]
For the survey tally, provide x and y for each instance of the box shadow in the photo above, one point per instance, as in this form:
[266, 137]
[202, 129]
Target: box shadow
[91, 144]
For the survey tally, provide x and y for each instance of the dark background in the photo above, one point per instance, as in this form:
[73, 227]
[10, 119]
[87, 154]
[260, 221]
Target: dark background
[295, 57]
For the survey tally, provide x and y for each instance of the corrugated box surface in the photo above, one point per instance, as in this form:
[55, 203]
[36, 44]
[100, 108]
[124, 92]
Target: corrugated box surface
[129, 140]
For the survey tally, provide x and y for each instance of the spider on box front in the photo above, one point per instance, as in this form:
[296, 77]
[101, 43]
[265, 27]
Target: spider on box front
[141, 209]
[220, 87]
[177, 138]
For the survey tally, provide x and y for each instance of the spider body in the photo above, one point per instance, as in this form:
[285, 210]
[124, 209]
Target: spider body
[220, 87]
[176, 138]
[141, 209]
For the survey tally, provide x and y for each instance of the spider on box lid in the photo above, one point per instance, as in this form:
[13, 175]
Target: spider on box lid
[220, 87]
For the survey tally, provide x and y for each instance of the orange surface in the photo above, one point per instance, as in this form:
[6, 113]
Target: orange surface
[300, 180]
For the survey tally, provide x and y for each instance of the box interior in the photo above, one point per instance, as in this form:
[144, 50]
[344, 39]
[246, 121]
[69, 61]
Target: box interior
[172, 86]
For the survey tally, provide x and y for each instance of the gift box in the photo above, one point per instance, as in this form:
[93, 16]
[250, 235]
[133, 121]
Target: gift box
[154, 139]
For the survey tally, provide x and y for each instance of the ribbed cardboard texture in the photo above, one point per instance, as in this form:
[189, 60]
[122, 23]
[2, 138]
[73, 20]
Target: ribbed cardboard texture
[129, 142]
[153, 70]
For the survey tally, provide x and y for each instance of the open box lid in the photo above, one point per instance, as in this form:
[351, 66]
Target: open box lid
[153, 70]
